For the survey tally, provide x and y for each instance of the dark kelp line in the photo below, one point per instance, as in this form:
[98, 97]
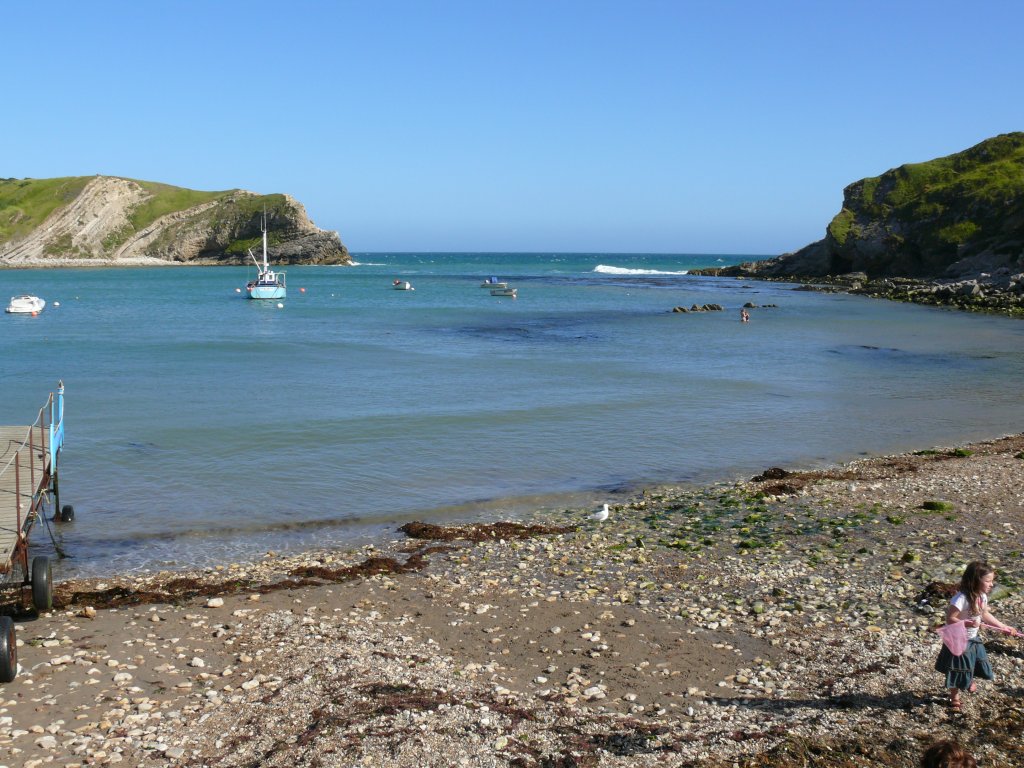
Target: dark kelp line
[181, 590]
[475, 532]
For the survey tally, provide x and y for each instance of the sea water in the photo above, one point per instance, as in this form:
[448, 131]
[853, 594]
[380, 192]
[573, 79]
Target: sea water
[203, 428]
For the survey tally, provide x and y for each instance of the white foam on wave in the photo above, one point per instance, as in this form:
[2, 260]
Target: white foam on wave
[608, 270]
[365, 264]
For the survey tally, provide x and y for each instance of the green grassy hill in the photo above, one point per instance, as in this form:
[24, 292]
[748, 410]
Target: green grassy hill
[954, 216]
[921, 218]
[194, 226]
[27, 203]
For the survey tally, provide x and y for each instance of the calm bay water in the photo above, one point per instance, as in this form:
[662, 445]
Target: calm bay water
[203, 427]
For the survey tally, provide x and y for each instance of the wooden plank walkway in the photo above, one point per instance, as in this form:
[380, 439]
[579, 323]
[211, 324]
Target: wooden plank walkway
[33, 472]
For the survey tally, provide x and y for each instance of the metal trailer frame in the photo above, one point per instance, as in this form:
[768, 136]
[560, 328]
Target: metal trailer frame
[29, 460]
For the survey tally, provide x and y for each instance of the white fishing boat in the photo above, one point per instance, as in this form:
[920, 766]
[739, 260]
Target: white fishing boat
[402, 285]
[25, 305]
[493, 282]
[268, 283]
[506, 291]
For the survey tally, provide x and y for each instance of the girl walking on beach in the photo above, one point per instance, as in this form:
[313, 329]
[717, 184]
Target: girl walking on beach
[970, 606]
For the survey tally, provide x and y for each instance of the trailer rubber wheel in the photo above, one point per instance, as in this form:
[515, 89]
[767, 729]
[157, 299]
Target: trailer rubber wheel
[8, 650]
[67, 514]
[42, 583]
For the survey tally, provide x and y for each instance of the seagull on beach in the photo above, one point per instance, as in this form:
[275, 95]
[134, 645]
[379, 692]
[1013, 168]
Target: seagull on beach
[601, 515]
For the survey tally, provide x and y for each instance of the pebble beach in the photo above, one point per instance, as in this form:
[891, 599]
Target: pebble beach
[780, 621]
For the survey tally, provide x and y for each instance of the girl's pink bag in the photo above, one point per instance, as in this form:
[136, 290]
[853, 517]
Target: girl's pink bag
[954, 637]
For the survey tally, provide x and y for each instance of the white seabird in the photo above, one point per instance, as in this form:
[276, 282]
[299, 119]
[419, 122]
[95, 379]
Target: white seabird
[601, 515]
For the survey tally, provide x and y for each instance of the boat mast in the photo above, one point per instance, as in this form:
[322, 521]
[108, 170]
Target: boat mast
[263, 225]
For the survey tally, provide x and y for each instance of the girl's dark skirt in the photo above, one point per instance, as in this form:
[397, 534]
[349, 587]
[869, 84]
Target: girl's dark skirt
[961, 670]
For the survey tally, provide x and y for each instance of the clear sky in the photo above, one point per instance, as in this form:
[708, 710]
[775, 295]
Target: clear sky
[670, 126]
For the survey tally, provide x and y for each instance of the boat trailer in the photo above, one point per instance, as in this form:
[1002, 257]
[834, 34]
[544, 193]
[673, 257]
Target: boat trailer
[28, 476]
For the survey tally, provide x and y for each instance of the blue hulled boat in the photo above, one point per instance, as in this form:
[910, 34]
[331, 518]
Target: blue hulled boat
[268, 283]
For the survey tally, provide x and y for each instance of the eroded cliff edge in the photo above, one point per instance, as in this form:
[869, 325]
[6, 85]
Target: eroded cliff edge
[107, 220]
[946, 231]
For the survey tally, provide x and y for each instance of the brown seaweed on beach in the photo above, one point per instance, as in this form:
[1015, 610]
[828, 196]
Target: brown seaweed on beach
[794, 482]
[937, 592]
[388, 699]
[372, 566]
[782, 489]
[896, 464]
[184, 589]
[772, 473]
[176, 591]
[479, 532]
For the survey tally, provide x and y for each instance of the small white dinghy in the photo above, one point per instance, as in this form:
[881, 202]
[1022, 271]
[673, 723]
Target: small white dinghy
[25, 305]
[402, 285]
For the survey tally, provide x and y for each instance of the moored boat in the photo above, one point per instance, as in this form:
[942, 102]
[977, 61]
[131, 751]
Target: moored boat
[25, 305]
[268, 283]
[402, 285]
[493, 282]
[504, 292]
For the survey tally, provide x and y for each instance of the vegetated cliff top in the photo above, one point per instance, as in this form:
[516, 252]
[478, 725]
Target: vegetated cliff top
[949, 217]
[105, 220]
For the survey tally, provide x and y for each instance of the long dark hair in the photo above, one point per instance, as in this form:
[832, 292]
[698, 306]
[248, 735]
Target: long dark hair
[970, 582]
[948, 754]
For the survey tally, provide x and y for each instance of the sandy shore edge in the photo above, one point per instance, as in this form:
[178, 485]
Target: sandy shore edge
[780, 621]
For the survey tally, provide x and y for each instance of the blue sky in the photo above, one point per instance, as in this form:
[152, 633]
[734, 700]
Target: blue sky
[486, 125]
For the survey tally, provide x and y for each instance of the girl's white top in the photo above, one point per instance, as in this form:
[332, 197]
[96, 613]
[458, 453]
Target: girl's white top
[959, 601]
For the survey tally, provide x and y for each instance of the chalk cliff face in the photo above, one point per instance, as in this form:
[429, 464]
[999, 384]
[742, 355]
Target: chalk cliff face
[107, 220]
[952, 217]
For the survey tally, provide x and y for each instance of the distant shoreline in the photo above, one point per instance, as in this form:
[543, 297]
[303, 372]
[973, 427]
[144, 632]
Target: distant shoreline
[984, 292]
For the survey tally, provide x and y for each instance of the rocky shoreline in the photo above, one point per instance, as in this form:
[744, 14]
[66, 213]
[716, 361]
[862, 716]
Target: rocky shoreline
[41, 262]
[783, 621]
[1000, 291]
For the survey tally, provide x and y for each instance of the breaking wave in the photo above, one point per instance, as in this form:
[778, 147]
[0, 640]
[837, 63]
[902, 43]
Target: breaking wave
[607, 270]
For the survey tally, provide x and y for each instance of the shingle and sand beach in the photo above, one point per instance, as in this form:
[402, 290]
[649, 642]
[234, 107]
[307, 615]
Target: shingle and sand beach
[787, 620]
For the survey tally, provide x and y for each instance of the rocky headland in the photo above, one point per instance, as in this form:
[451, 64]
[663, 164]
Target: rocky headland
[111, 221]
[948, 232]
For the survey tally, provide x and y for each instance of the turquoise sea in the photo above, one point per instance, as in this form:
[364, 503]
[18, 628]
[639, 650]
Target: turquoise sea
[203, 428]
